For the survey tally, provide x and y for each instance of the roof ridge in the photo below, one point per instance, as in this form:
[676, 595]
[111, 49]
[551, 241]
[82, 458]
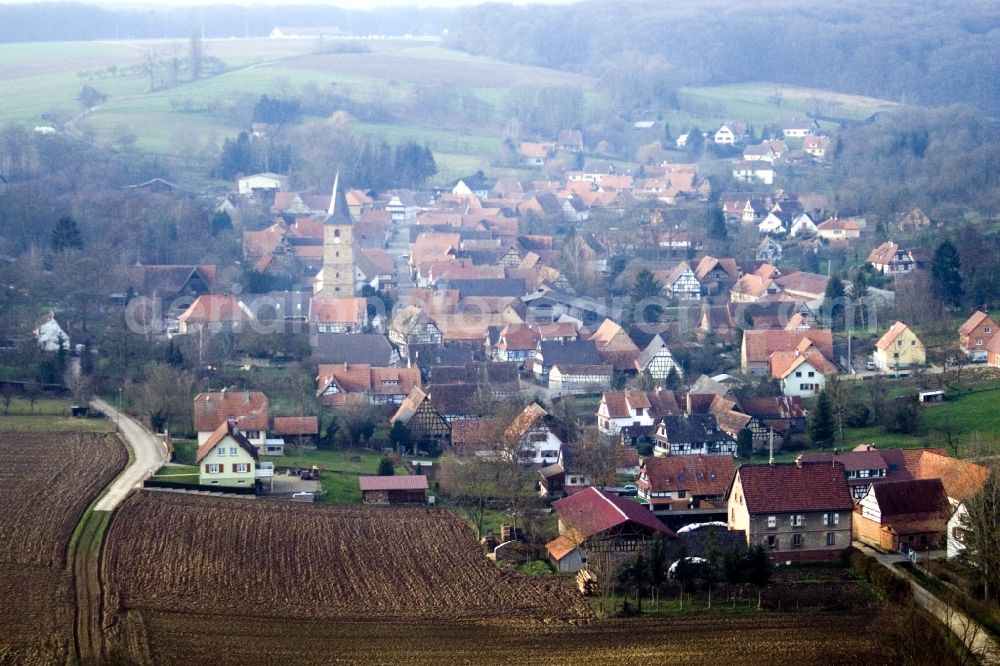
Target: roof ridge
[607, 499]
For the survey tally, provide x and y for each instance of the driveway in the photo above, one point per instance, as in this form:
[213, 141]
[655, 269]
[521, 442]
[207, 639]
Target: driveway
[148, 455]
[979, 642]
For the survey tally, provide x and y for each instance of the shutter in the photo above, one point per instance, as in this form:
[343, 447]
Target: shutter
[234, 467]
[206, 468]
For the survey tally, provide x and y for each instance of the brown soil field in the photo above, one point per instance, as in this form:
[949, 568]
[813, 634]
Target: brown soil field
[767, 638]
[203, 580]
[237, 556]
[46, 482]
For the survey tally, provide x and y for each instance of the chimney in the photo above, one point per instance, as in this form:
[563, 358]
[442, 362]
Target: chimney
[770, 449]
[798, 462]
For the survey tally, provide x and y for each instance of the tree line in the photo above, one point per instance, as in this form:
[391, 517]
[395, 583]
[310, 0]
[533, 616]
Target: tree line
[897, 51]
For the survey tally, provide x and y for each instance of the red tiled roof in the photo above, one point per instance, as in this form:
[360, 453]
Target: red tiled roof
[852, 461]
[784, 488]
[220, 433]
[212, 409]
[337, 310]
[972, 322]
[700, 475]
[890, 336]
[296, 425]
[917, 496]
[761, 344]
[402, 482]
[593, 511]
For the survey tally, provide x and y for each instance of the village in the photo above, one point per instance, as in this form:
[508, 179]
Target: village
[583, 366]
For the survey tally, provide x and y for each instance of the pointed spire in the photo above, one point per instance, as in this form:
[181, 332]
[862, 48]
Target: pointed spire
[338, 212]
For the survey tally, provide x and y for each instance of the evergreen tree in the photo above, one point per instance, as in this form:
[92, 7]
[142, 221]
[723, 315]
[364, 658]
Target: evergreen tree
[695, 145]
[716, 224]
[173, 356]
[220, 222]
[673, 379]
[399, 436]
[822, 428]
[744, 444]
[386, 467]
[946, 278]
[645, 293]
[833, 301]
[65, 235]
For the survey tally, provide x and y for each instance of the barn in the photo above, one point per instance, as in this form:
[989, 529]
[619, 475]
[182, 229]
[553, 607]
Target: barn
[393, 489]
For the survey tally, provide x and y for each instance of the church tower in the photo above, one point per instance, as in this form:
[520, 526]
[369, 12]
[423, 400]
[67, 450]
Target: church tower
[337, 278]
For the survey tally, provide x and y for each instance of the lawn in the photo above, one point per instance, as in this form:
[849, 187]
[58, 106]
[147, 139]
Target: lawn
[178, 474]
[49, 415]
[339, 470]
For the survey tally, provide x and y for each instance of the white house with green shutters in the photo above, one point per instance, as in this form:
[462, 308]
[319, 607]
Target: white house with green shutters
[227, 458]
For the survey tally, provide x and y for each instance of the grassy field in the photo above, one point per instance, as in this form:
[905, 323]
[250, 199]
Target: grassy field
[339, 470]
[760, 103]
[48, 415]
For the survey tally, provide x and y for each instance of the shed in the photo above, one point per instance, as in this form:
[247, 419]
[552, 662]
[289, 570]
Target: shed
[408, 489]
[931, 396]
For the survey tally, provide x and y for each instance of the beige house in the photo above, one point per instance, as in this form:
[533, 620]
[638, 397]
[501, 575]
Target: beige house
[797, 511]
[899, 349]
[227, 458]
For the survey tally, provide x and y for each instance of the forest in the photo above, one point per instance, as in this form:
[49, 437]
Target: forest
[910, 52]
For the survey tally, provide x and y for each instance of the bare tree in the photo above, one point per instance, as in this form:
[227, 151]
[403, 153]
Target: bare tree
[167, 398]
[471, 484]
[980, 525]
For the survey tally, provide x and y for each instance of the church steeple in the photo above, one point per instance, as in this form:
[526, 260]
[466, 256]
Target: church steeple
[337, 278]
[338, 212]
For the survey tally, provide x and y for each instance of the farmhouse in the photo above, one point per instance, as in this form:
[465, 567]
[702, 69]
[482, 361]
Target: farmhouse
[536, 436]
[249, 410]
[630, 409]
[799, 512]
[903, 513]
[657, 360]
[689, 435]
[899, 349]
[834, 229]
[975, 335]
[405, 489]
[695, 485]
[214, 313]
[425, 424]
[758, 346]
[356, 384]
[891, 259]
[300, 431]
[594, 524]
[226, 458]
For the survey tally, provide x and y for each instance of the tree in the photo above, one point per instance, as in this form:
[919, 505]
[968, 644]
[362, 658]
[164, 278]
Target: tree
[196, 54]
[399, 436]
[90, 97]
[980, 525]
[821, 427]
[656, 567]
[219, 222]
[758, 569]
[716, 223]
[744, 444]
[386, 467]
[695, 145]
[647, 297]
[946, 276]
[470, 482]
[857, 295]
[167, 398]
[673, 381]
[839, 400]
[32, 391]
[65, 235]
[833, 300]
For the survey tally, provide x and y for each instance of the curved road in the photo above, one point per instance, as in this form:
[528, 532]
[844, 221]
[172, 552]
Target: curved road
[148, 455]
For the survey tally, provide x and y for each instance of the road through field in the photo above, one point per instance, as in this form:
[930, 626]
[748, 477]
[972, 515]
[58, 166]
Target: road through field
[148, 455]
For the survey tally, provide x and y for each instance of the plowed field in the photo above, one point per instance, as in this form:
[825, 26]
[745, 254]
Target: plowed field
[202, 580]
[46, 482]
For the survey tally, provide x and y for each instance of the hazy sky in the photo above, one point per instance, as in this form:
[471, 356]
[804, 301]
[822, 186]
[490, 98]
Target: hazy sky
[346, 4]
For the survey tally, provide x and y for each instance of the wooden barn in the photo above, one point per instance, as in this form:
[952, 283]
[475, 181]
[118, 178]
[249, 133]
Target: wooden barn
[393, 489]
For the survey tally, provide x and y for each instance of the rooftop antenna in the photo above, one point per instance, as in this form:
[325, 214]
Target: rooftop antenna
[770, 449]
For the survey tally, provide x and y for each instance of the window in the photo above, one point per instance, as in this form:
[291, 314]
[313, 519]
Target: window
[213, 468]
[798, 373]
[987, 330]
[796, 541]
[831, 518]
[232, 450]
[913, 343]
[812, 374]
[979, 342]
[241, 468]
[681, 493]
[772, 521]
[771, 541]
[831, 538]
[221, 451]
[796, 520]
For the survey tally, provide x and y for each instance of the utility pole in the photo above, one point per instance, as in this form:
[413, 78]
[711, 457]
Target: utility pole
[118, 412]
